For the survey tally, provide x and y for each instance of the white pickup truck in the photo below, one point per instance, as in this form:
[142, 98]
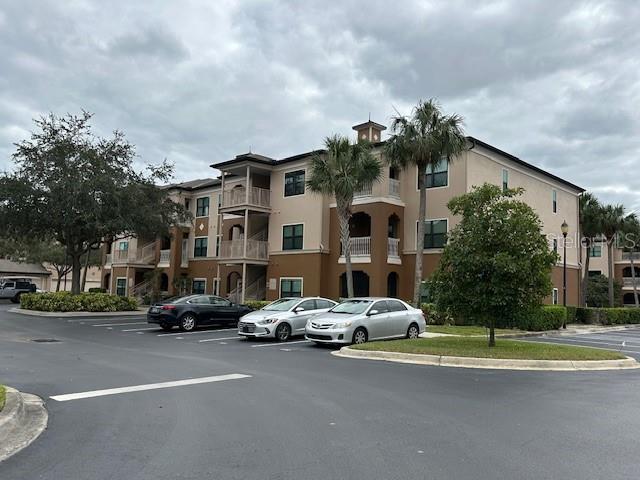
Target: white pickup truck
[12, 288]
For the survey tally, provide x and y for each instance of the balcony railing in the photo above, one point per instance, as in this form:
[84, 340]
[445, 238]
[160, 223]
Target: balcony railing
[234, 249]
[629, 281]
[258, 197]
[629, 255]
[367, 191]
[359, 247]
[145, 254]
[165, 255]
[394, 188]
[108, 260]
[393, 248]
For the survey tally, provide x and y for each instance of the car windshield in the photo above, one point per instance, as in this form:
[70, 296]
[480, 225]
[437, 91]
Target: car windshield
[282, 305]
[351, 307]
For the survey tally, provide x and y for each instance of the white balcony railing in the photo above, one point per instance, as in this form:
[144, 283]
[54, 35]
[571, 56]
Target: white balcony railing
[628, 255]
[258, 197]
[145, 254]
[367, 191]
[394, 188]
[360, 247]
[165, 255]
[234, 249]
[629, 281]
[108, 260]
[393, 248]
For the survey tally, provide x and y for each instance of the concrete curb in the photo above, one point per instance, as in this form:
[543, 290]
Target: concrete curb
[491, 363]
[35, 313]
[22, 420]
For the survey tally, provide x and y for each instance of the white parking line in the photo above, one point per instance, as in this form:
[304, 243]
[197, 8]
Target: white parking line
[559, 342]
[218, 339]
[119, 324]
[150, 386]
[598, 342]
[139, 329]
[282, 343]
[196, 332]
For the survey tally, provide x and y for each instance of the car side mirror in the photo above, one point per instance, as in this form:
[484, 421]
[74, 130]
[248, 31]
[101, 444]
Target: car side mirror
[298, 309]
[372, 312]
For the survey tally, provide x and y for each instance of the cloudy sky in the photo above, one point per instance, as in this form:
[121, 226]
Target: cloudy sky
[556, 83]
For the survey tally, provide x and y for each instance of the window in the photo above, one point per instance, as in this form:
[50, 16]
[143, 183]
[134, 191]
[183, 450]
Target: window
[292, 237]
[321, 303]
[187, 204]
[216, 286]
[219, 200]
[595, 251]
[219, 302]
[594, 273]
[218, 246]
[555, 245]
[198, 300]
[555, 201]
[308, 305]
[395, 306]
[198, 287]
[438, 175]
[290, 287]
[202, 207]
[380, 306]
[435, 233]
[200, 247]
[123, 246]
[121, 287]
[294, 183]
[554, 298]
[505, 180]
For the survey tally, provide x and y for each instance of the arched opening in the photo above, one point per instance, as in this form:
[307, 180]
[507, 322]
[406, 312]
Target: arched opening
[626, 272]
[360, 284]
[236, 232]
[629, 299]
[165, 243]
[107, 282]
[164, 282]
[393, 226]
[234, 286]
[392, 285]
[394, 173]
[360, 225]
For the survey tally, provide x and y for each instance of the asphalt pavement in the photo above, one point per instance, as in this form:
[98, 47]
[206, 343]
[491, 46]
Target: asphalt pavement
[135, 403]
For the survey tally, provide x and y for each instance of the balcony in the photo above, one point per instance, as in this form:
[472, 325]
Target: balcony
[233, 250]
[365, 192]
[165, 256]
[237, 199]
[629, 281]
[393, 251]
[394, 188]
[108, 260]
[141, 256]
[630, 255]
[360, 248]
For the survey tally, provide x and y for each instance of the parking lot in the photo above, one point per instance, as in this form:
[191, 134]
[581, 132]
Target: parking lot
[207, 404]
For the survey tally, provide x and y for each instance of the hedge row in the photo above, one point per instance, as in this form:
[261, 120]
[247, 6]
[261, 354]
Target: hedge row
[608, 316]
[256, 304]
[83, 302]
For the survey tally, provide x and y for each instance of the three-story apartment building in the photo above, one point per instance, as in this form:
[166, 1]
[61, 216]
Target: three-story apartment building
[259, 233]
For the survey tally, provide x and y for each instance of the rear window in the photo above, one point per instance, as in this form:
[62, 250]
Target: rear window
[395, 306]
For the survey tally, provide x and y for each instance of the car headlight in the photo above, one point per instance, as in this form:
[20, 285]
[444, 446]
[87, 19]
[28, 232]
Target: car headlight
[267, 321]
[342, 325]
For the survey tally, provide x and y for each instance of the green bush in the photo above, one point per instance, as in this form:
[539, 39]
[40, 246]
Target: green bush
[83, 302]
[97, 290]
[547, 317]
[256, 304]
[608, 316]
[435, 317]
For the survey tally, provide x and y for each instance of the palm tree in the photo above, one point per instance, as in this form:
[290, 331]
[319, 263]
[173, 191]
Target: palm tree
[344, 169]
[612, 223]
[631, 232]
[591, 228]
[423, 140]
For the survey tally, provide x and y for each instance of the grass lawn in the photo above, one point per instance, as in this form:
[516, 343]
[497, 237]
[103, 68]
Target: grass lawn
[2, 397]
[477, 347]
[467, 331]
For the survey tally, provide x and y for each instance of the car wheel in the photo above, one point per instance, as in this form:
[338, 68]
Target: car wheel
[413, 331]
[166, 327]
[16, 299]
[359, 336]
[188, 322]
[283, 332]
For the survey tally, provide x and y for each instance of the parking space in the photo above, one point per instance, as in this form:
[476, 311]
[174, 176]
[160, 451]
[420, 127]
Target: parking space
[625, 341]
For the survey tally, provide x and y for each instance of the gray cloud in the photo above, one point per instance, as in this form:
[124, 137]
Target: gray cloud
[555, 83]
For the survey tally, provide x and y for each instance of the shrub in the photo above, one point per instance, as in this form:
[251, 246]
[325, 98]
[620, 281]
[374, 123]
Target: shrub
[97, 290]
[256, 304]
[435, 317]
[547, 317]
[608, 316]
[83, 302]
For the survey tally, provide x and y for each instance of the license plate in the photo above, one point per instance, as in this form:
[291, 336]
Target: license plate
[154, 310]
[248, 329]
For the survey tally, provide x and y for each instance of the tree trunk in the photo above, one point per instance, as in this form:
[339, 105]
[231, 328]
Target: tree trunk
[492, 332]
[610, 269]
[76, 272]
[345, 239]
[585, 276]
[86, 267]
[422, 213]
[633, 279]
[60, 273]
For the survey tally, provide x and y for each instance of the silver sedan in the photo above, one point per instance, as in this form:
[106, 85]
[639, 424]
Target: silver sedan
[283, 318]
[359, 320]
